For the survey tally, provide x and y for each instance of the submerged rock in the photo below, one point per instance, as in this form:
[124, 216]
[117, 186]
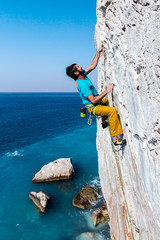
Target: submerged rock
[85, 197]
[40, 199]
[66, 186]
[100, 215]
[57, 170]
[90, 236]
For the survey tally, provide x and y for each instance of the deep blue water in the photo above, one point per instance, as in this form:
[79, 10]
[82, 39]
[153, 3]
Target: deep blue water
[36, 129]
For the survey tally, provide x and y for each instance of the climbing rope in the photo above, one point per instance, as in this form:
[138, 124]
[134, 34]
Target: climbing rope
[121, 182]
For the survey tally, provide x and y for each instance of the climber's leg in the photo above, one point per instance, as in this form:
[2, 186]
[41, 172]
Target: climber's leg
[115, 125]
[104, 118]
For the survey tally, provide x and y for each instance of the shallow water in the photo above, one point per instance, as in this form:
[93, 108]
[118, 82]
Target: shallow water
[21, 159]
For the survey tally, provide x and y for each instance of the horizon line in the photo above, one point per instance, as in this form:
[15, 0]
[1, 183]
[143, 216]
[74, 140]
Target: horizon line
[38, 92]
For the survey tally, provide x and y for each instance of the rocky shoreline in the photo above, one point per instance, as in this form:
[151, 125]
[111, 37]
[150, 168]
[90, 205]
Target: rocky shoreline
[61, 169]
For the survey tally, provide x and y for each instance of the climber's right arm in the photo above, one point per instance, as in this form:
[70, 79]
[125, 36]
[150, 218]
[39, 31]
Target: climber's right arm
[95, 60]
[95, 99]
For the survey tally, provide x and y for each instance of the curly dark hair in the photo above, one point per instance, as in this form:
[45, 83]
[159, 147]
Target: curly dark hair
[70, 71]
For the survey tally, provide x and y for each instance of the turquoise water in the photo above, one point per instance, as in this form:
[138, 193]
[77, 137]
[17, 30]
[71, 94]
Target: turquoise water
[20, 159]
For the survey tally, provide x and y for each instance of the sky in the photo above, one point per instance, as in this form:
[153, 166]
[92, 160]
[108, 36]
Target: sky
[39, 39]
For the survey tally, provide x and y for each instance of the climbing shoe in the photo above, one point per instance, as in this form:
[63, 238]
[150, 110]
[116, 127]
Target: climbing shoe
[104, 125]
[120, 142]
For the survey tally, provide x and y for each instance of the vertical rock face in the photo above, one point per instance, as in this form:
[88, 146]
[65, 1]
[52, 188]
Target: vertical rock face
[130, 178]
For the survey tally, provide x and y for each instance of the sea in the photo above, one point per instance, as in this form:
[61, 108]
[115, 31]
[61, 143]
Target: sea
[35, 129]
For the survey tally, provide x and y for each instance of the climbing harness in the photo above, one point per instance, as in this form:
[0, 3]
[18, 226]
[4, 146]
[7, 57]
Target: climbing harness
[91, 112]
[83, 114]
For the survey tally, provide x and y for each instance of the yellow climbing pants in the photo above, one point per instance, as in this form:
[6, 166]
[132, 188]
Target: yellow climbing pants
[105, 111]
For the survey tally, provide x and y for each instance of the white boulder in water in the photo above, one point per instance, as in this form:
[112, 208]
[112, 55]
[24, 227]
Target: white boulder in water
[57, 170]
[40, 199]
[90, 236]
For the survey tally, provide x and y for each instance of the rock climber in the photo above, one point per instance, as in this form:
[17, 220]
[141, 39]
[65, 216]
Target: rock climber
[94, 102]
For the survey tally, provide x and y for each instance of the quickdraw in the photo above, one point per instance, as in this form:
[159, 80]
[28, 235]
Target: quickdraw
[90, 117]
[91, 112]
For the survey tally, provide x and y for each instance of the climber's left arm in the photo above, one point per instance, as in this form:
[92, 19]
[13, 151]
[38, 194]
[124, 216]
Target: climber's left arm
[95, 60]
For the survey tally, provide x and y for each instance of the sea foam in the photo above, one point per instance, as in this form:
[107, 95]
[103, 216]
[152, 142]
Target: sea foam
[14, 154]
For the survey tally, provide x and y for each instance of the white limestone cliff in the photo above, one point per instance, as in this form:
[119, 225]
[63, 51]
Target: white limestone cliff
[130, 178]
